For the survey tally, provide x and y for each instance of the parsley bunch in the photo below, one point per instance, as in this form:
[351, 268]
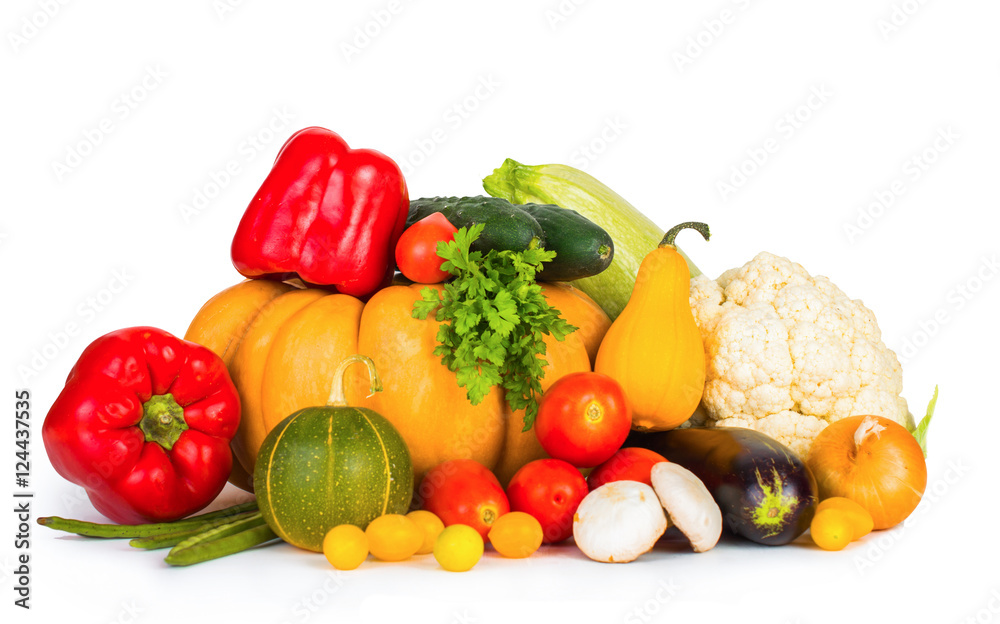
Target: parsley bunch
[495, 317]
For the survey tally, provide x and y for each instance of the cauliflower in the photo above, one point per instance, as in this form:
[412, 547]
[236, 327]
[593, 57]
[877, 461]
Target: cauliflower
[788, 353]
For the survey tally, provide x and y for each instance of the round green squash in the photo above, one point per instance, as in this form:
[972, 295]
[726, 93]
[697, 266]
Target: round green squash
[331, 465]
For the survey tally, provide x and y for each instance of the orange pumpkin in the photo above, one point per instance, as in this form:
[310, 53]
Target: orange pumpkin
[570, 355]
[581, 311]
[420, 396]
[282, 343]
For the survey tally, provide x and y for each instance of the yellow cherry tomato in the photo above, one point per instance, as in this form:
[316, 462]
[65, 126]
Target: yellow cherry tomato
[394, 537]
[861, 521]
[458, 548]
[831, 529]
[345, 546]
[431, 525]
[516, 534]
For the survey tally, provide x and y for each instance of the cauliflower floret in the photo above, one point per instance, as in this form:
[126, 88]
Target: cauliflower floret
[787, 353]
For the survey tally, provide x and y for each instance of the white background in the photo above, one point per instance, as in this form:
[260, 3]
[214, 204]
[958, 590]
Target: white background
[667, 98]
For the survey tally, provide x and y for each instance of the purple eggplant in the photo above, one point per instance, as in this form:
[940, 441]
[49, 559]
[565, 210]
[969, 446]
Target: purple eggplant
[766, 492]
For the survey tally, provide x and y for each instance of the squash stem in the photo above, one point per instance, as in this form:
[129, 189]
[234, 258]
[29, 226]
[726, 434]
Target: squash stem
[338, 397]
[701, 228]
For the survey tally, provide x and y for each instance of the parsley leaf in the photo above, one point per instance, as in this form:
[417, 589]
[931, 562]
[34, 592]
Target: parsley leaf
[494, 320]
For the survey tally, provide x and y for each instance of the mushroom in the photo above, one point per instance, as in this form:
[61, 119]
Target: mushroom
[618, 521]
[688, 504]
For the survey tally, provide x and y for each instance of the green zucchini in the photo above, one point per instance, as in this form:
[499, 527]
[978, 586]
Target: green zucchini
[766, 492]
[635, 235]
[505, 226]
[582, 247]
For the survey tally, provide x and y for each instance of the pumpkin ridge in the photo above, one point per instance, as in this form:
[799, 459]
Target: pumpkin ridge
[277, 525]
[385, 456]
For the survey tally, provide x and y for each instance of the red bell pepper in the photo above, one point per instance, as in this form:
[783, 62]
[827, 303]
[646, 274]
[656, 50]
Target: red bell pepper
[327, 214]
[144, 424]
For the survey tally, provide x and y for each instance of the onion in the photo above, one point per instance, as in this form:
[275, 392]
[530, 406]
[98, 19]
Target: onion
[873, 461]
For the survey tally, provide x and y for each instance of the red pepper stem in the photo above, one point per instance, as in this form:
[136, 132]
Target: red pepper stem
[701, 228]
[337, 396]
[162, 420]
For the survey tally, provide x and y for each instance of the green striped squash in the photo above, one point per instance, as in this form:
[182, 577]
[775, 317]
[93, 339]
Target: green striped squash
[331, 465]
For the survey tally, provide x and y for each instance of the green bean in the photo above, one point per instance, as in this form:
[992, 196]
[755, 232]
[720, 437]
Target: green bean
[166, 540]
[221, 541]
[120, 531]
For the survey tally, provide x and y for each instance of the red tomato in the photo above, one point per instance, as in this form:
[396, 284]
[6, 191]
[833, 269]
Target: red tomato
[416, 251]
[550, 490]
[628, 464]
[583, 418]
[463, 491]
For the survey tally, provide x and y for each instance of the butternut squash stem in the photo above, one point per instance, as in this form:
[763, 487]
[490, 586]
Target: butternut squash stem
[337, 395]
[701, 228]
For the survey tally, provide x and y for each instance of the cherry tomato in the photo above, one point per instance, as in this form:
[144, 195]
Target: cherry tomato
[394, 537]
[416, 251]
[463, 491]
[457, 549]
[861, 521]
[516, 535]
[831, 529]
[345, 546]
[550, 490]
[628, 464]
[431, 526]
[583, 418]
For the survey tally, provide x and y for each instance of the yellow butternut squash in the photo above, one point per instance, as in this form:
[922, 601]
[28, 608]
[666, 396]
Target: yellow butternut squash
[654, 349]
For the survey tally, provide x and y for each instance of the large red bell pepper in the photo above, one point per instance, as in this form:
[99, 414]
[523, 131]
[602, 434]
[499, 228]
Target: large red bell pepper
[327, 214]
[144, 424]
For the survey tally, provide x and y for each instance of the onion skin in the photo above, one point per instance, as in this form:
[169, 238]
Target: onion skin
[885, 473]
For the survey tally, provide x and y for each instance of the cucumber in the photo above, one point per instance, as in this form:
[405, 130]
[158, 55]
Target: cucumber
[766, 492]
[506, 225]
[582, 247]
